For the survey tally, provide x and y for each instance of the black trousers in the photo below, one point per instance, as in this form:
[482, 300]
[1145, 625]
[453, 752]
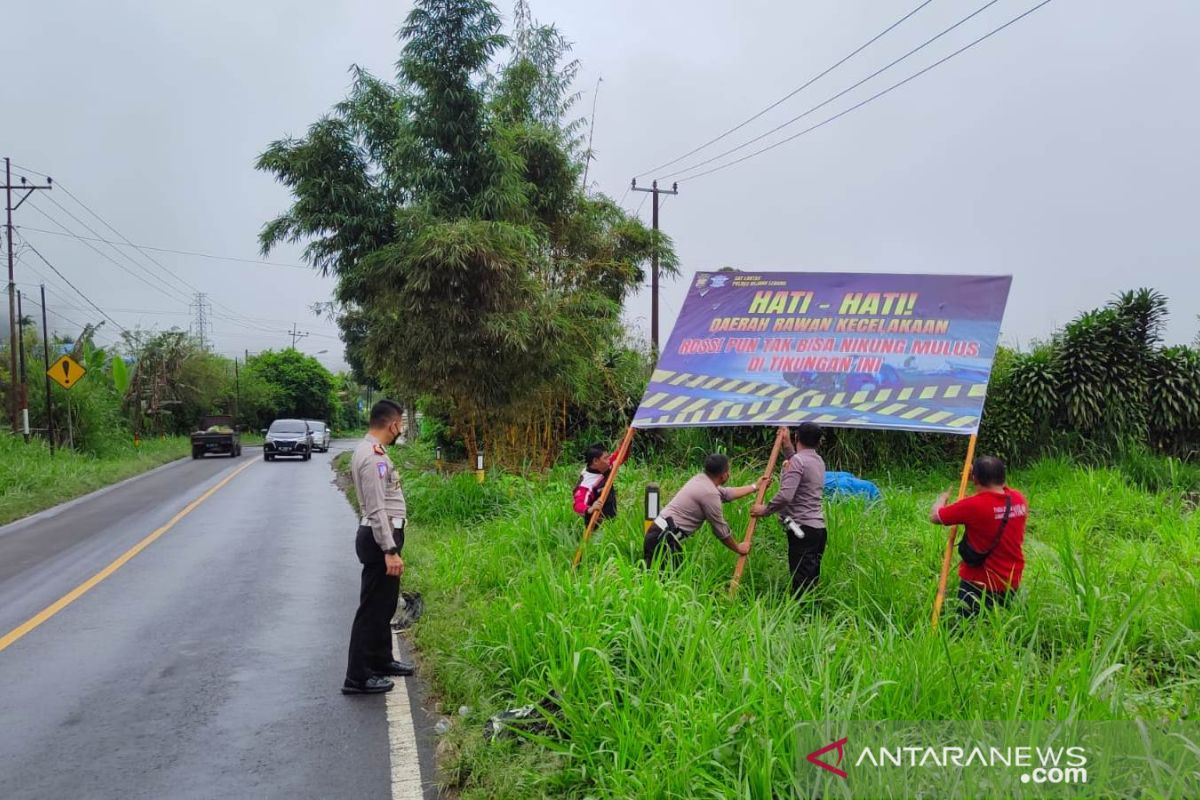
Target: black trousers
[804, 558]
[667, 546]
[972, 596]
[371, 633]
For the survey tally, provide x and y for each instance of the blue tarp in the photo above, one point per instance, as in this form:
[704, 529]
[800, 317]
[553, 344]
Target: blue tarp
[843, 483]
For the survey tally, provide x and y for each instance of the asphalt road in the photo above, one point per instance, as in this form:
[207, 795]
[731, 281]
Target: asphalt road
[208, 665]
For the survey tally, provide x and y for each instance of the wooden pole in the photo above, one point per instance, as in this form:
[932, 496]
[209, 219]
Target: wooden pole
[622, 453]
[962, 490]
[762, 493]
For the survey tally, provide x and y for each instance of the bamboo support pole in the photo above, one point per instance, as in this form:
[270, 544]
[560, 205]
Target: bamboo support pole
[622, 454]
[762, 493]
[962, 490]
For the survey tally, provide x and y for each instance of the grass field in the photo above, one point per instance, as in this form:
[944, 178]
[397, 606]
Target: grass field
[667, 688]
[32, 480]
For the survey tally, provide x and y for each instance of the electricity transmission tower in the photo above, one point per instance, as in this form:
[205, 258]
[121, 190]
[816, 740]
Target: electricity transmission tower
[202, 320]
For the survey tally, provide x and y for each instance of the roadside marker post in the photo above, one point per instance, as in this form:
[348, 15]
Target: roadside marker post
[479, 472]
[653, 506]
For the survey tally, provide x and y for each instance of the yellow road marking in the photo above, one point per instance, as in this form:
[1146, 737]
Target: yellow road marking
[58, 605]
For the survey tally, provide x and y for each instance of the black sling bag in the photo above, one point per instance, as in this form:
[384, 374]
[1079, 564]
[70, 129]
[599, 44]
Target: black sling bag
[972, 557]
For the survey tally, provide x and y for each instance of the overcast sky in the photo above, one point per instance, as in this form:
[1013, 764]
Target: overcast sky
[1062, 151]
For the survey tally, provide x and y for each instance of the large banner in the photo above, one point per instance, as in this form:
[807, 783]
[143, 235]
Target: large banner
[908, 352]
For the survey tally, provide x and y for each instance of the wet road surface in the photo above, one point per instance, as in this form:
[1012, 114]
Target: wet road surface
[208, 665]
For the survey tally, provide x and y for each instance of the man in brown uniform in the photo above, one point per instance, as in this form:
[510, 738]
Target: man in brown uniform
[378, 543]
[798, 504]
[700, 499]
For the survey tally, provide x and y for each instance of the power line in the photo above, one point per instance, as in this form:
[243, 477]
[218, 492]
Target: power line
[870, 99]
[124, 238]
[829, 100]
[109, 258]
[87, 299]
[792, 93]
[230, 315]
[30, 171]
[53, 312]
[193, 253]
[248, 322]
[145, 255]
[120, 253]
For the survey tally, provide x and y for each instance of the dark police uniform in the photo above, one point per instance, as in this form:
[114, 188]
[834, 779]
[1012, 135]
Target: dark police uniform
[380, 530]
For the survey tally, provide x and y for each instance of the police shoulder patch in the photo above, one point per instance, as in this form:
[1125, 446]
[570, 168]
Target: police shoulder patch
[379, 450]
[383, 469]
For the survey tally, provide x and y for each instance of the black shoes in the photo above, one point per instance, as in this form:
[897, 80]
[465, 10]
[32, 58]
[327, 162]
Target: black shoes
[376, 684]
[401, 669]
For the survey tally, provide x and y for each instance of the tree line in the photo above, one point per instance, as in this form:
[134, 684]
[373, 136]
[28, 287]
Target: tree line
[162, 383]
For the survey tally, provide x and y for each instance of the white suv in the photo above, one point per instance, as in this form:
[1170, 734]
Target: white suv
[320, 435]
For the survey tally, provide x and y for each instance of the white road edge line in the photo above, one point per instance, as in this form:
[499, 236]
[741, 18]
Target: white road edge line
[402, 741]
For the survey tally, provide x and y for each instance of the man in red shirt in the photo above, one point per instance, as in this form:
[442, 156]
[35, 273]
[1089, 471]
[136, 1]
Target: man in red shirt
[994, 521]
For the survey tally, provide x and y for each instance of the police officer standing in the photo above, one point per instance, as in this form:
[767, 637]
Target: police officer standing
[798, 504]
[378, 544]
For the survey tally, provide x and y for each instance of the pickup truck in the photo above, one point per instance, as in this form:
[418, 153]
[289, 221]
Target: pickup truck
[216, 434]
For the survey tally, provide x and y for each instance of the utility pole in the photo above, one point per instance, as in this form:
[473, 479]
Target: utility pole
[46, 356]
[295, 334]
[202, 324]
[23, 392]
[654, 190]
[9, 208]
[237, 392]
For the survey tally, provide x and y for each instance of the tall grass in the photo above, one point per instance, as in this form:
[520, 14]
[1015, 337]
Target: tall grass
[31, 479]
[668, 688]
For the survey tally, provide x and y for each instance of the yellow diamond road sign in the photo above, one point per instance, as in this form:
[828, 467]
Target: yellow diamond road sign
[66, 372]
